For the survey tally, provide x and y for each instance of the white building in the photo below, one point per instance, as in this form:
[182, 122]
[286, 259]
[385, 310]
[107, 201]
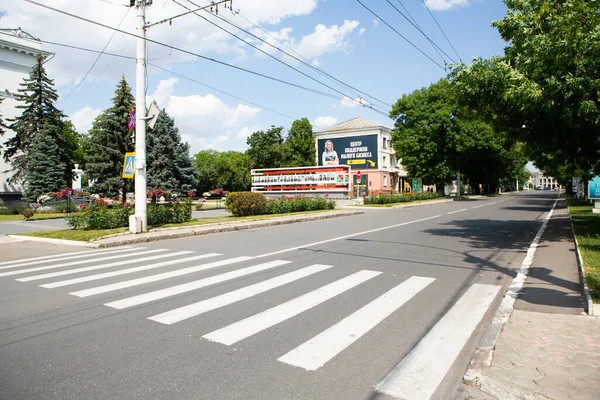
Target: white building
[18, 52]
[539, 181]
[366, 147]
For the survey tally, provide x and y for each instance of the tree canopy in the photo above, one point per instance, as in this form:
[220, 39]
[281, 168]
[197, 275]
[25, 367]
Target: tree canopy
[45, 171]
[544, 90]
[299, 146]
[229, 170]
[266, 148]
[3, 126]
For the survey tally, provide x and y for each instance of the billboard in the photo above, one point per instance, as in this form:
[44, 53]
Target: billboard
[356, 151]
[594, 188]
[302, 180]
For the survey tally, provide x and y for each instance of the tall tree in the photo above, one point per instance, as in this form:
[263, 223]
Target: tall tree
[109, 140]
[3, 126]
[545, 90]
[36, 97]
[229, 170]
[266, 148]
[299, 146]
[45, 171]
[169, 164]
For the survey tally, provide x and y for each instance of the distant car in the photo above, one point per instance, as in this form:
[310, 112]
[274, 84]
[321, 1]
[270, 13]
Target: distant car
[539, 188]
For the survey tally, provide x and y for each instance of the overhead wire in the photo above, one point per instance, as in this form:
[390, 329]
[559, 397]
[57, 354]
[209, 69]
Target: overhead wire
[435, 46]
[265, 53]
[444, 33]
[97, 58]
[199, 55]
[398, 33]
[300, 58]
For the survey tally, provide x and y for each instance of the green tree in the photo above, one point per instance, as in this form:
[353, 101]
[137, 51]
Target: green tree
[3, 126]
[229, 170]
[109, 140]
[544, 90]
[299, 146]
[169, 164]
[45, 171]
[266, 148]
[36, 97]
[205, 162]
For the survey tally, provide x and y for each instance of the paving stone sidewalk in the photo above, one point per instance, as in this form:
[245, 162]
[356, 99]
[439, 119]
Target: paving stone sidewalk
[549, 349]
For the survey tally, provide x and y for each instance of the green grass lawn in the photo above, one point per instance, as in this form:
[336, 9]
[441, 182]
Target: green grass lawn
[587, 231]
[4, 218]
[78, 235]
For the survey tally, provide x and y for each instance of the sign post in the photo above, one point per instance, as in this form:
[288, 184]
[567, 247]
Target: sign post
[357, 184]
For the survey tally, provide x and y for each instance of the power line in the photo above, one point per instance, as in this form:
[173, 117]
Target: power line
[420, 30]
[97, 58]
[399, 34]
[436, 22]
[168, 71]
[199, 56]
[302, 59]
[415, 21]
[264, 52]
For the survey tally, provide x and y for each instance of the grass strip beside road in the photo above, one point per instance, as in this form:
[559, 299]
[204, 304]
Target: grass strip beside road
[586, 227]
[87, 235]
[36, 217]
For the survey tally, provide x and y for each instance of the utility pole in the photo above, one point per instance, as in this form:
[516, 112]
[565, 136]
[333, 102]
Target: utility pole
[138, 222]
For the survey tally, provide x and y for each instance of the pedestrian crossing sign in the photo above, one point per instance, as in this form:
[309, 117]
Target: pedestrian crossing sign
[129, 165]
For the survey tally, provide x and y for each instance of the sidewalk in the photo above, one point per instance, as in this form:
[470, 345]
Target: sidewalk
[550, 347]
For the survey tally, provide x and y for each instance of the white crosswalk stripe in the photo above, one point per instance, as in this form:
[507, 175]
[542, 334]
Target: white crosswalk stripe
[158, 277]
[63, 256]
[323, 347]
[127, 271]
[195, 309]
[188, 287]
[419, 374]
[266, 319]
[101, 266]
[68, 264]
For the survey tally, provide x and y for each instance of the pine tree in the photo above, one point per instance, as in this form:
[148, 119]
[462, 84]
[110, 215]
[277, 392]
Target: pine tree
[45, 171]
[109, 140]
[169, 164]
[36, 97]
[3, 126]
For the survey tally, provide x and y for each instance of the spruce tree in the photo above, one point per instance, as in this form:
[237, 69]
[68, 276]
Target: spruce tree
[2, 124]
[169, 164]
[36, 97]
[109, 140]
[45, 171]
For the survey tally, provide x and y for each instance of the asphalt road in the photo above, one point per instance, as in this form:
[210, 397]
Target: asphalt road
[387, 304]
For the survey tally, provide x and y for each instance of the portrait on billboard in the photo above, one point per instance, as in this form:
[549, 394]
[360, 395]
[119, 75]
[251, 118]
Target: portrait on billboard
[329, 156]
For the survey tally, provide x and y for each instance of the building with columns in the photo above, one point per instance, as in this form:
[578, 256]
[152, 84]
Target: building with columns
[539, 181]
[18, 52]
[365, 146]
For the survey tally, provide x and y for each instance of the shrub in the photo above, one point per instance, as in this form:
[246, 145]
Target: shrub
[245, 203]
[382, 198]
[171, 213]
[283, 204]
[13, 208]
[99, 215]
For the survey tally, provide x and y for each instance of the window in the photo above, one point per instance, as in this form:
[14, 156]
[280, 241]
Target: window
[385, 161]
[385, 180]
[384, 143]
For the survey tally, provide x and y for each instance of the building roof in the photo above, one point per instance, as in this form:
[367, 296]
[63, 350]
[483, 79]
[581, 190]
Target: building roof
[354, 124]
[18, 33]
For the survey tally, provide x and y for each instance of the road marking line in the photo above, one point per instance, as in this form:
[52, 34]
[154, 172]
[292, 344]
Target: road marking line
[126, 271]
[314, 353]
[345, 237]
[419, 374]
[190, 286]
[257, 323]
[68, 264]
[457, 211]
[201, 307]
[101, 266]
[64, 256]
[157, 277]
[483, 205]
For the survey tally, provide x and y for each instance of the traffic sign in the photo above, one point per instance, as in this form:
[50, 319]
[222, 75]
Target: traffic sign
[358, 176]
[129, 165]
[131, 120]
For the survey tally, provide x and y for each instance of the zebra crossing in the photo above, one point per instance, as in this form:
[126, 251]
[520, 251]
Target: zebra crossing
[443, 343]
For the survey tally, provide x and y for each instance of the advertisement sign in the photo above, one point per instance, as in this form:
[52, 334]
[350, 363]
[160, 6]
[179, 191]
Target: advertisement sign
[575, 184]
[417, 185]
[356, 151]
[302, 180]
[594, 188]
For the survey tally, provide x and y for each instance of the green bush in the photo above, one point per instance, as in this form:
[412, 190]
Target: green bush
[172, 213]
[27, 213]
[245, 203]
[283, 204]
[99, 215]
[13, 208]
[382, 198]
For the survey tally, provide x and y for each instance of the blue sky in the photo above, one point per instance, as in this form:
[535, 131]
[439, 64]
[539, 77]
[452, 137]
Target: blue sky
[340, 36]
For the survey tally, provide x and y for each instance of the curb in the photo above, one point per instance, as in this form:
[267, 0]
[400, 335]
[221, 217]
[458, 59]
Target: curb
[176, 233]
[55, 241]
[482, 357]
[422, 203]
[592, 309]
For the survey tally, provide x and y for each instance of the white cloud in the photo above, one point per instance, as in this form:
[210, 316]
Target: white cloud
[324, 122]
[316, 63]
[362, 30]
[325, 39]
[246, 131]
[83, 118]
[375, 22]
[348, 102]
[442, 5]
[206, 121]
